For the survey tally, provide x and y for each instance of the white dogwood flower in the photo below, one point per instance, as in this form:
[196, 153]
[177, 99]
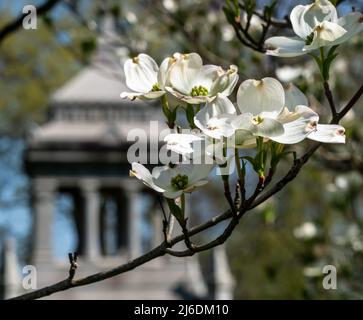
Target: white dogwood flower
[173, 180]
[301, 122]
[316, 25]
[196, 147]
[260, 102]
[184, 144]
[144, 77]
[269, 111]
[214, 119]
[195, 83]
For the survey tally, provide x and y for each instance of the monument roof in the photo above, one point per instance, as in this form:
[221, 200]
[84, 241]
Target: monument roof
[91, 85]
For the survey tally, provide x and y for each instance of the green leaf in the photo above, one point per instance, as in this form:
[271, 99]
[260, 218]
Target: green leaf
[175, 210]
[229, 15]
[328, 61]
[189, 111]
[318, 62]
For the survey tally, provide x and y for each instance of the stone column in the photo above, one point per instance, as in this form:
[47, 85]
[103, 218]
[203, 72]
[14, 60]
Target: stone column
[43, 196]
[224, 282]
[132, 194]
[91, 198]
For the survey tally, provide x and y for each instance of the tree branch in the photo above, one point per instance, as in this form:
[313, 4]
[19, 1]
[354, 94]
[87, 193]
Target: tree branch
[330, 98]
[17, 22]
[351, 103]
[163, 249]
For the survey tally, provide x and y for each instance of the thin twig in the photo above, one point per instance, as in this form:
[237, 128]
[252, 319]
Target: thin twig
[330, 98]
[73, 265]
[162, 249]
[351, 103]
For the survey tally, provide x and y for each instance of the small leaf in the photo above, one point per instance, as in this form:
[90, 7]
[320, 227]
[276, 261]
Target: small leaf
[175, 210]
[189, 111]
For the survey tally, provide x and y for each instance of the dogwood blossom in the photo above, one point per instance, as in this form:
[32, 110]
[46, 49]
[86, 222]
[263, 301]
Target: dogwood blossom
[195, 83]
[316, 25]
[214, 119]
[144, 76]
[173, 180]
[183, 143]
[269, 111]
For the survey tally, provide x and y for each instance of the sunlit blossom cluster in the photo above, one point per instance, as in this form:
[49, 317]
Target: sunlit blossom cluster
[265, 111]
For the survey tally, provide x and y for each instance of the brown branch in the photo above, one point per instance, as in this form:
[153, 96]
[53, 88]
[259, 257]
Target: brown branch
[12, 26]
[330, 98]
[273, 21]
[73, 265]
[155, 253]
[227, 231]
[163, 249]
[351, 103]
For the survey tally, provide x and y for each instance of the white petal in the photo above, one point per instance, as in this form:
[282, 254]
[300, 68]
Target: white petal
[198, 172]
[206, 76]
[242, 139]
[143, 174]
[294, 97]
[328, 133]
[305, 18]
[187, 98]
[200, 183]
[327, 34]
[142, 96]
[218, 106]
[353, 23]
[163, 178]
[184, 72]
[266, 95]
[225, 82]
[284, 46]
[141, 73]
[299, 128]
[266, 128]
[218, 127]
[164, 71]
[181, 143]
[213, 119]
[130, 95]
[299, 25]
[172, 194]
[243, 121]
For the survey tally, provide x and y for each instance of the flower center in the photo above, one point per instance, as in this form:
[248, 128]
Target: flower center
[199, 91]
[179, 182]
[155, 87]
[257, 120]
